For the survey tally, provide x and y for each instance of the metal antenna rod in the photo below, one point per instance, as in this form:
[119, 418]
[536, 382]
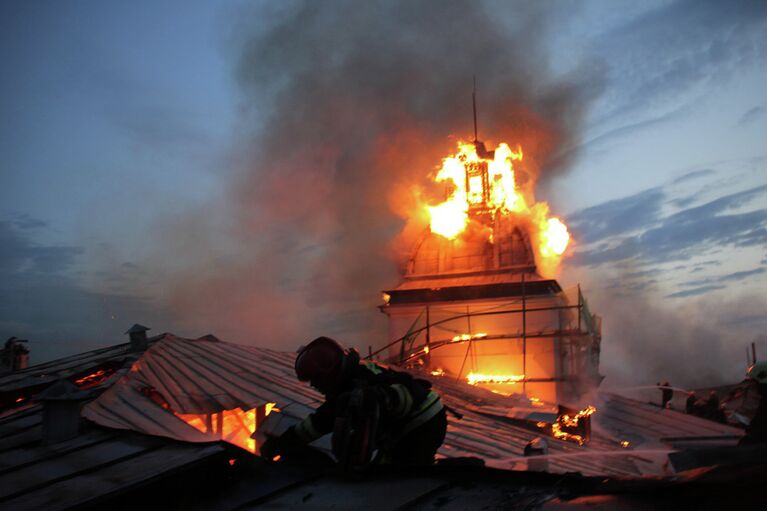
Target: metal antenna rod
[474, 105]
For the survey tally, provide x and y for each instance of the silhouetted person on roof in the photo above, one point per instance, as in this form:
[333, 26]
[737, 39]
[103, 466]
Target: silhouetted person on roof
[756, 432]
[690, 406]
[666, 394]
[366, 406]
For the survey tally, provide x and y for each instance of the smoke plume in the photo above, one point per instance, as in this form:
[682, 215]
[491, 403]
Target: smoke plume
[347, 108]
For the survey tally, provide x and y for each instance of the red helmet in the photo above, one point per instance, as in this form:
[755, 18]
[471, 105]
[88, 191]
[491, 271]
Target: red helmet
[321, 363]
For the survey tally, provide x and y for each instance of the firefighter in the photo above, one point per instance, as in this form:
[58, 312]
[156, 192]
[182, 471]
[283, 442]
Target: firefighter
[756, 432]
[667, 393]
[408, 421]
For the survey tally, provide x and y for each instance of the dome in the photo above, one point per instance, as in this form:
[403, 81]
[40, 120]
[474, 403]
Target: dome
[474, 251]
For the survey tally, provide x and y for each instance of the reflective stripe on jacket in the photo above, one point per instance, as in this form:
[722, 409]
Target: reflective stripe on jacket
[408, 402]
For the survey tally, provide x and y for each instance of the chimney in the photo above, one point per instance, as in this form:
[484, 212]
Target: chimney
[61, 411]
[138, 340]
[537, 447]
[14, 355]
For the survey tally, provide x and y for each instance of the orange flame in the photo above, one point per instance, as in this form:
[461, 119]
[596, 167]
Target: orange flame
[489, 186]
[95, 378]
[571, 421]
[234, 426]
[477, 378]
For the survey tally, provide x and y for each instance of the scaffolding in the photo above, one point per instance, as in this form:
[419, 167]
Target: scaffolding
[579, 335]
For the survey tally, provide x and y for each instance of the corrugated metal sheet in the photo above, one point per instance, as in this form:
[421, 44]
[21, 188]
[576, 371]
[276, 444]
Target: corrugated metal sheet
[66, 367]
[96, 464]
[201, 376]
[204, 376]
[648, 425]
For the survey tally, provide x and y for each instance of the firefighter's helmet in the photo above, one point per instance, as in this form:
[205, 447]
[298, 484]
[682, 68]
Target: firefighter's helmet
[758, 372]
[321, 363]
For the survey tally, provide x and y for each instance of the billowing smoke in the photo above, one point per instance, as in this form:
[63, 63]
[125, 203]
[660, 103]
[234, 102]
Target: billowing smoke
[347, 108]
[696, 343]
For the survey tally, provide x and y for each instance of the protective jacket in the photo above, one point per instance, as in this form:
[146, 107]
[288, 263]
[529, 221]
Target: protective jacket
[408, 406]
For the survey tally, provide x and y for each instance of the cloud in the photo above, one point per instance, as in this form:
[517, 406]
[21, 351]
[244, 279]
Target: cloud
[740, 275]
[678, 47]
[160, 128]
[678, 236]
[752, 115]
[693, 175]
[618, 217]
[42, 301]
[20, 254]
[694, 292]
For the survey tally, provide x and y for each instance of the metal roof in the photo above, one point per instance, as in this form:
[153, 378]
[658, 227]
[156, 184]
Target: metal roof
[199, 375]
[202, 376]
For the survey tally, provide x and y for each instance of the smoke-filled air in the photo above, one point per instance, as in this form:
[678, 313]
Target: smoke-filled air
[348, 110]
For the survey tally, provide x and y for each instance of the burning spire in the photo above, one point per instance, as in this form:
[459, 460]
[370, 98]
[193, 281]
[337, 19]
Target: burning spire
[482, 185]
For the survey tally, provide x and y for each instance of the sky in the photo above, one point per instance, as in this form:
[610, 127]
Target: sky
[239, 168]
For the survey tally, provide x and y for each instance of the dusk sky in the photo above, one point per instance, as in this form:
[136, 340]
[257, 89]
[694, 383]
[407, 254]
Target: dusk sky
[225, 168]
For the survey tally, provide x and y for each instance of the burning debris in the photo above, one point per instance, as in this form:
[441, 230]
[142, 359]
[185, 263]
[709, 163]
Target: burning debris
[95, 378]
[574, 426]
[477, 378]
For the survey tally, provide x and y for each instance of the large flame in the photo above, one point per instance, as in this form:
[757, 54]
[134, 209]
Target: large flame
[234, 426]
[489, 186]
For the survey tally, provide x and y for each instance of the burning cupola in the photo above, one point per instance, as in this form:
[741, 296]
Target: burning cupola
[475, 303]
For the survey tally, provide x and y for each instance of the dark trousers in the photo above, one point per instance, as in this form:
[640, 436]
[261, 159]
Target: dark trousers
[419, 446]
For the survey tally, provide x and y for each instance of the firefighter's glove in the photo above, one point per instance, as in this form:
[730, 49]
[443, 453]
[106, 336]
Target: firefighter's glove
[285, 444]
[270, 449]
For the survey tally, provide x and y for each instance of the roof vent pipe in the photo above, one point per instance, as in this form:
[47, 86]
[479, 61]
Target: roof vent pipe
[61, 411]
[138, 340]
[538, 448]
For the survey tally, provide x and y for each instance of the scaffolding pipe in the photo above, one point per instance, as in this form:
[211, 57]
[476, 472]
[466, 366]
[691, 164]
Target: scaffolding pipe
[459, 316]
[539, 335]
[524, 332]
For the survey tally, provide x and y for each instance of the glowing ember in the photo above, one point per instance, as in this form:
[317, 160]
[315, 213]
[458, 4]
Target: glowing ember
[477, 378]
[488, 186]
[468, 337]
[94, 379]
[19, 399]
[438, 372]
[571, 422]
[536, 402]
[625, 444]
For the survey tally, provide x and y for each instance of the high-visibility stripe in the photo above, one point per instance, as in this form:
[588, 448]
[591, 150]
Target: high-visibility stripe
[428, 409]
[373, 368]
[306, 430]
[404, 403]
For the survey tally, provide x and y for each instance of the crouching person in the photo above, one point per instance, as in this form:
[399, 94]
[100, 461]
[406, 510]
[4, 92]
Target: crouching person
[376, 415]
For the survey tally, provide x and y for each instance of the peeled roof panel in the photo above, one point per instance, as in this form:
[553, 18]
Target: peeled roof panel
[196, 377]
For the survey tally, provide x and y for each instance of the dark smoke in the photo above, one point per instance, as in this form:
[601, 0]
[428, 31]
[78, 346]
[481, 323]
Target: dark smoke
[352, 105]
